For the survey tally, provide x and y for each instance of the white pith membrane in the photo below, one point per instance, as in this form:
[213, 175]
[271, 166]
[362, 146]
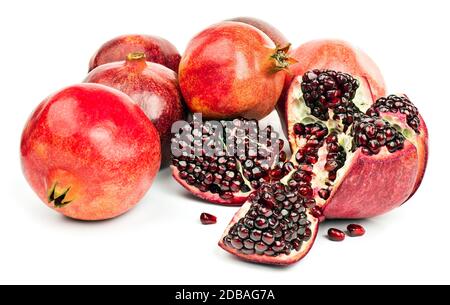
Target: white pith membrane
[301, 113]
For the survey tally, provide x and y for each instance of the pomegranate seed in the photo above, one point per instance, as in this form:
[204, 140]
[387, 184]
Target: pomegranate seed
[355, 230]
[336, 234]
[324, 194]
[208, 219]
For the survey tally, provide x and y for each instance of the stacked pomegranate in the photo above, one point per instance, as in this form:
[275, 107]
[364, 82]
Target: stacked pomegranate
[354, 152]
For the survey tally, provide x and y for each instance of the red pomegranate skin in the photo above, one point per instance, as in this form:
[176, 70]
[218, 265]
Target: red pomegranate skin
[227, 71]
[277, 37]
[94, 143]
[152, 86]
[156, 49]
[374, 185]
[341, 56]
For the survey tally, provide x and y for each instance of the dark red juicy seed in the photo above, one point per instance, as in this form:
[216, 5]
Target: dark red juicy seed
[299, 129]
[324, 194]
[336, 234]
[355, 230]
[208, 219]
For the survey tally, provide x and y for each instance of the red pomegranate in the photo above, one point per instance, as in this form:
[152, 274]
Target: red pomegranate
[277, 37]
[152, 86]
[156, 49]
[89, 152]
[232, 69]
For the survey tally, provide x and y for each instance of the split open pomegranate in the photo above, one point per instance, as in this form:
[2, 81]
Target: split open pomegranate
[352, 159]
[363, 158]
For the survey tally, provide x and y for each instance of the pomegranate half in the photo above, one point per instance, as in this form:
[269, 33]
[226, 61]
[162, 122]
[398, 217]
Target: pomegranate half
[89, 152]
[223, 177]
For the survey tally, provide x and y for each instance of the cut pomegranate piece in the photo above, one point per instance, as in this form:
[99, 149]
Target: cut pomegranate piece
[274, 226]
[355, 159]
[221, 177]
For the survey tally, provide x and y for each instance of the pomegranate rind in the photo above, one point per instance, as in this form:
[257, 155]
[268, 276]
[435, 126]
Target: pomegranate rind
[281, 260]
[374, 185]
[341, 56]
[237, 200]
[420, 140]
[422, 151]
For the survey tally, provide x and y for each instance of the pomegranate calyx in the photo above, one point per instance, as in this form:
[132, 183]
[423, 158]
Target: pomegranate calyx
[58, 199]
[136, 59]
[282, 59]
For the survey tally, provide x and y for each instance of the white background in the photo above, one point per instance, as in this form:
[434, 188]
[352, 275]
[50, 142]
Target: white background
[46, 45]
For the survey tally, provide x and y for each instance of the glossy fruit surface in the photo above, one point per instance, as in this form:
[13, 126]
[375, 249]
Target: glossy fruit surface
[89, 152]
[340, 56]
[207, 219]
[336, 234]
[156, 49]
[152, 86]
[231, 70]
[355, 230]
[277, 37]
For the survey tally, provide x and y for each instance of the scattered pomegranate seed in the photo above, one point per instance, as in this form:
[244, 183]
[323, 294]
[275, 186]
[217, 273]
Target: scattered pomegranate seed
[355, 230]
[208, 219]
[336, 234]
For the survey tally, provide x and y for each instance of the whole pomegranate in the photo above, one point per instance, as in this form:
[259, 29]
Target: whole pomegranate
[232, 69]
[89, 152]
[156, 49]
[277, 37]
[152, 86]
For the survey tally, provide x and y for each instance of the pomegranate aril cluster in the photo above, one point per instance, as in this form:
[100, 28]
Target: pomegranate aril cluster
[328, 89]
[220, 174]
[373, 133]
[275, 224]
[314, 134]
[394, 104]
[336, 156]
